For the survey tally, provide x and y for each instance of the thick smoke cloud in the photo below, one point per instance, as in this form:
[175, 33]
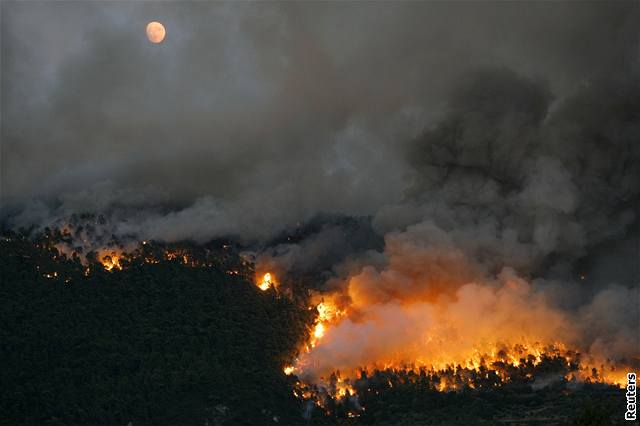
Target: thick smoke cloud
[251, 117]
[512, 204]
[508, 179]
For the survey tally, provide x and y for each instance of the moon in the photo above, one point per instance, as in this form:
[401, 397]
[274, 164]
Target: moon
[155, 32]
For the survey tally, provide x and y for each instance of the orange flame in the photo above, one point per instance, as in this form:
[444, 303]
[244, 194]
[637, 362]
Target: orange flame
[498, 359]
[266, 283]
[111, 261]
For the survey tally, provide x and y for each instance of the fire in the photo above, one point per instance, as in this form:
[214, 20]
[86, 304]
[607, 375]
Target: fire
[411, 321]
[518, 364]
[119, 255]
[344, 389]
[319, 331]
[111, 261]
[266, 283]
[328, 313]
[440, 339]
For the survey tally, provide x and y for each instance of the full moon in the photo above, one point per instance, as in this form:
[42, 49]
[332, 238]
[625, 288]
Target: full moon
[155, 32]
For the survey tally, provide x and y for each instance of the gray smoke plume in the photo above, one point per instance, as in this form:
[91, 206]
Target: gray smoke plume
[507, 190]
[251, 117]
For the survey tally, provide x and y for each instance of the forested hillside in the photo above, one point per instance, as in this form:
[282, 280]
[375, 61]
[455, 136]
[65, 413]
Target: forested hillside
[152, 344]
[169, 343]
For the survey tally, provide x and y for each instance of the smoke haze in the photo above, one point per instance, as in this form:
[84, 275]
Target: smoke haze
[261, 114]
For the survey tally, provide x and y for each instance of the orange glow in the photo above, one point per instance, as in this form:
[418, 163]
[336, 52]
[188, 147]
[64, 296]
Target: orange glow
[328, 313]
[499, 357]
[111, 261]
[318, 331]
[155, 32]
[266, 283]
[344, 390]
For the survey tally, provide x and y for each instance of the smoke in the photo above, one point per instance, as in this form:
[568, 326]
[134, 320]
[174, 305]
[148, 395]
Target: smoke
[251, 117]
[510, 198]
[492, 147]
[428, 327]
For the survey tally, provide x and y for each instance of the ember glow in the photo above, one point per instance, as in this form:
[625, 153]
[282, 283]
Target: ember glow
[72, 242]
[266, 283]
[111, 260]
[328, 314]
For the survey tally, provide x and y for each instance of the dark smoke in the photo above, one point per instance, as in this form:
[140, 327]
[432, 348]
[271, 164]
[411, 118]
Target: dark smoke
[251, 117]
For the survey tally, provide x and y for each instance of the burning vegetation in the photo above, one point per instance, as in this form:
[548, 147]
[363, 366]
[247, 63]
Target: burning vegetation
[349, 389]
[82, 241]
[266, 283]
[355, 348]
[435, 317]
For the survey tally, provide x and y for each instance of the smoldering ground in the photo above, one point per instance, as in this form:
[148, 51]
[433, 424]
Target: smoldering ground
[484, 141]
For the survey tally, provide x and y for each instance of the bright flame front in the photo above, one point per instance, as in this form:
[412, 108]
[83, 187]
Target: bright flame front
[266, 283]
